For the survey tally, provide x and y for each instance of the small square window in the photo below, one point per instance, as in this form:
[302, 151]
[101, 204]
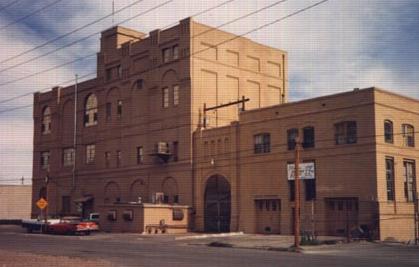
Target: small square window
[262, 143]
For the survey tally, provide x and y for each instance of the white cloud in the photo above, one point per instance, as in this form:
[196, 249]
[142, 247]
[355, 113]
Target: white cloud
[331, 49]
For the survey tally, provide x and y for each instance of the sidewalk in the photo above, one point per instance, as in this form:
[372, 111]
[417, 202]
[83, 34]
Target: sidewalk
[254, 241]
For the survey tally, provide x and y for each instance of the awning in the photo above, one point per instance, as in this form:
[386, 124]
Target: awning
[83, 199]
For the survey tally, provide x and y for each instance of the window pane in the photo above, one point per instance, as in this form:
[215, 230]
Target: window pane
[90, 153]
[166, 55]
[176, 95]
[292, 134]
[165, 96]
[388, 132]
[308, 133]
[409, 173]
[175, 52]
[262, 143]
[390, 178]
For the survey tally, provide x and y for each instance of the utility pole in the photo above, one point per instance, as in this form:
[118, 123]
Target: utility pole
[297, 194]
[242, 101]
[75, 132]
[415, 207]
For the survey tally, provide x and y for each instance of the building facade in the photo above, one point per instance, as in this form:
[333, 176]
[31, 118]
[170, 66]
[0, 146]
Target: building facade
[359, 156]
[156, 122]
[129, 132]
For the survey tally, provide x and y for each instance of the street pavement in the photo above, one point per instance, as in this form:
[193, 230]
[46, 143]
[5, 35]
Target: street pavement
[146, 250]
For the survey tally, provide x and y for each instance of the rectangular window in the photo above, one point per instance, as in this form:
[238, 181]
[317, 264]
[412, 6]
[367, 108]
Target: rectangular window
[262, 143]
[175, 52]
[109, 74]
[175, 151]
[45, 160]
[118, 71]
[308, 137]
[119, 108]
[310, 189]
[291, 186]
[166, 55]
[165, 97]
[408, 135]
[176, 95]
[139, 84]
[390, 178]
[107, 159]
[292, 134]
[346, 132]
[388, 131]
[108, 111]
[140, 155]
[90, 153]
[409, 176]
[118, 158]
[68, 157]
[65, 204]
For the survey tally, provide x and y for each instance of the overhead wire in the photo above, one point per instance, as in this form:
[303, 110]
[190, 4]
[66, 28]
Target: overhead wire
[219, 26]
[67, 63]
[30, 14]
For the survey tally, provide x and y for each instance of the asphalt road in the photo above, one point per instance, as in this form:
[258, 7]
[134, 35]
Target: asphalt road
[137, 250]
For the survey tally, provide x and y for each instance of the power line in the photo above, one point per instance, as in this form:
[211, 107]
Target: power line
[30, 14]
[64, 64]
[9, 4]
[42, 90]
[47, 70]
[230, 39]
[79, 40]
[211, 29]
[68, 33]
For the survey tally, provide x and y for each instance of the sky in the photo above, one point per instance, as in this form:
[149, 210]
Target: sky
[334, 47]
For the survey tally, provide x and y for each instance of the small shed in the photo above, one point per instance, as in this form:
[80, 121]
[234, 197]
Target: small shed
[145, 218]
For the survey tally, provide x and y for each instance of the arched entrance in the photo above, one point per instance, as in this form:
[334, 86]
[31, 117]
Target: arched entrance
[217, 205]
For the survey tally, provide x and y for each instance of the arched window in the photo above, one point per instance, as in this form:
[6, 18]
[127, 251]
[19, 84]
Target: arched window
[112, 193]
[90, 111]
[408, 132]
[46, 121]
[388, 131]
[170, 190]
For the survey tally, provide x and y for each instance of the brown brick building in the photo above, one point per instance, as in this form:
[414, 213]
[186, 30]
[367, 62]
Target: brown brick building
[360, 151]
[141, 129]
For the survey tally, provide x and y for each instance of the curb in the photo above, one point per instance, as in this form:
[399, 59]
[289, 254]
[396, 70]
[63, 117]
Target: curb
[203, 236]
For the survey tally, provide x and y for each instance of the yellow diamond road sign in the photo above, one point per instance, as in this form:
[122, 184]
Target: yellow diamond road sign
[42, 203]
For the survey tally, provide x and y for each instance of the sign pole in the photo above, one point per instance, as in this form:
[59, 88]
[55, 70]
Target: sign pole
[46, 207]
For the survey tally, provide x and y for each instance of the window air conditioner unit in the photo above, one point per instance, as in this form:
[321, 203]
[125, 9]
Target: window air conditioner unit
[162, 148]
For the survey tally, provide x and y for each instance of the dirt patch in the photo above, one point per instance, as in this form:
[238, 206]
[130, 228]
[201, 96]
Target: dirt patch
[20, 259]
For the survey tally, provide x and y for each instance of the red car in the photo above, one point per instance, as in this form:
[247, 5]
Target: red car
[72, 225]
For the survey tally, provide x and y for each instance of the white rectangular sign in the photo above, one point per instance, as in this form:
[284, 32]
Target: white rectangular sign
[307, 171]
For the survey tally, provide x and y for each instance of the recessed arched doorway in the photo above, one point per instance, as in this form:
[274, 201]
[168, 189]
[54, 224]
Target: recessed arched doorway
[217, 204]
